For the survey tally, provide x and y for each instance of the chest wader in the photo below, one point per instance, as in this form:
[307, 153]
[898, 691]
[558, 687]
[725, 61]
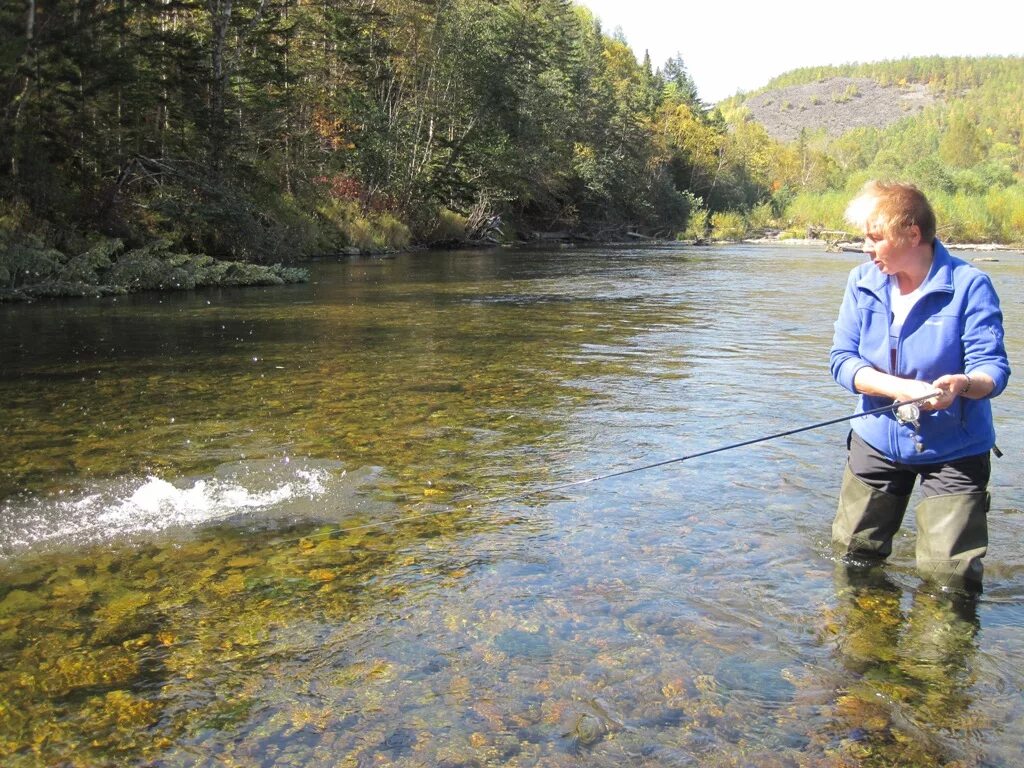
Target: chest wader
[866, 519]
[952, 537]
[952, 530]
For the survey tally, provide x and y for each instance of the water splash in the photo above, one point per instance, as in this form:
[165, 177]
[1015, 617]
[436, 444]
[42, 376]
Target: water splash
[254, 492]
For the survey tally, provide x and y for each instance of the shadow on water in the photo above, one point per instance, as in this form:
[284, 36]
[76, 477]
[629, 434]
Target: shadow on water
[264, 528]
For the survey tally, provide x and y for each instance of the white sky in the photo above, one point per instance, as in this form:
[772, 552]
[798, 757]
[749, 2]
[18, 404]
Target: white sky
[730, 45]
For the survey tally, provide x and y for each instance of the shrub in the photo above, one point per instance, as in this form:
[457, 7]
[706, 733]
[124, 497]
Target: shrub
[822, 211]
[359, 233]
[728, 225]
[25, 259]
[344, 224]
[761, 218]
[1006, 206]
[963, 218]
[446, 227]
[391, 233]
[697, 226]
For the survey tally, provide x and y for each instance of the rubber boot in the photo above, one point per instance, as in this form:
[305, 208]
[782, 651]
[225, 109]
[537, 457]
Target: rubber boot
[952, 537]
[866, 519]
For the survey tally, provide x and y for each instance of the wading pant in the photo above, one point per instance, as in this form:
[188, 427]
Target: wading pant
[952, 529]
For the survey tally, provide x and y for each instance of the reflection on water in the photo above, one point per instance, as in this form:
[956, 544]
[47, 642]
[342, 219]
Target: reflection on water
[912, 671]
[288, 527]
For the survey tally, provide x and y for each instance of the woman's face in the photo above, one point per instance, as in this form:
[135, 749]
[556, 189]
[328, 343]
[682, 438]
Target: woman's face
[890, 256]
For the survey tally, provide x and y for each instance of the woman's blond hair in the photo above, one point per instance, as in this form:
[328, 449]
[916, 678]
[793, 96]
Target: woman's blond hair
[892, 208]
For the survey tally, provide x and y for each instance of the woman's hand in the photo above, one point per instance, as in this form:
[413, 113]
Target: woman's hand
[872, 382]
[910, 389]
[949, 386]
[974, 385]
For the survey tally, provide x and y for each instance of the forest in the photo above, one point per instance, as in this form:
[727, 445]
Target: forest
[174, 143]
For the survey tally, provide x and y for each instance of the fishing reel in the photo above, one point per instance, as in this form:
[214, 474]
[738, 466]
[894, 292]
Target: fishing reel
[910, 414]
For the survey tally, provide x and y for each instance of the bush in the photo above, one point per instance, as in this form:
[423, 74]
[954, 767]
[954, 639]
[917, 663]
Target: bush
[697, 226]
[25, 259]
[28, 269]
[760, 218]
[1006, 207]
[359, 233]
[446, 227]
[345, 225]
[391, 233]
[822, 211]
[963, 218]
[728, 225]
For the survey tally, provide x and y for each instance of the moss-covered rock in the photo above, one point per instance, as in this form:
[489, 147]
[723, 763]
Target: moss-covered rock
[19, 601]
[30, 270]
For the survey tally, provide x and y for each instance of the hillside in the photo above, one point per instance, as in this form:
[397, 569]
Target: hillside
[837, 104]
[953, 126]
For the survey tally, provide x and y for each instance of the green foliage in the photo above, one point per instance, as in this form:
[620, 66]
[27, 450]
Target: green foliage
[993, 216]
[809, 211]
[761, 217]
[728, 225]
[26, 260]
[268, 132]
[698, 226]
[344, 225]
[393, 233]
[963, 218]
[222, 128]
[1006, 207]
[446, 227]
[965, 151]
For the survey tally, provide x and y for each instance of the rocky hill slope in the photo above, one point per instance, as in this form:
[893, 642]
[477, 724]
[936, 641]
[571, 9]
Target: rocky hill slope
[837, 104]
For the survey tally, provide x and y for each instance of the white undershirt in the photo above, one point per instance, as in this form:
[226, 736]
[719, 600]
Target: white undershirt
[900, 304]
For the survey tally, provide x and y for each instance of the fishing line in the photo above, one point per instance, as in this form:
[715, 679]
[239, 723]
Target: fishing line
[906, 411]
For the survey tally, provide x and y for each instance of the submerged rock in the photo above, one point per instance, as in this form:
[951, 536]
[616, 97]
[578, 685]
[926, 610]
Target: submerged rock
[19, 601]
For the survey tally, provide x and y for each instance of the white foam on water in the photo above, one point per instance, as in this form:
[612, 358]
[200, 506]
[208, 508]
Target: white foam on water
[133, 506]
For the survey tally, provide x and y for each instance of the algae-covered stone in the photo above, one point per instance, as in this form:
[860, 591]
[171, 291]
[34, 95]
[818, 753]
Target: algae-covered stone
[72, 592]
[244, 561]
[88, 669]
[230, 585]
[20, 602]
[121, 617]
[588, 729]
[121, 710]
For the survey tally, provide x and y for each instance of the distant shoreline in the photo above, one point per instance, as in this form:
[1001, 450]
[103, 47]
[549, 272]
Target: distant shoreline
[851, 246]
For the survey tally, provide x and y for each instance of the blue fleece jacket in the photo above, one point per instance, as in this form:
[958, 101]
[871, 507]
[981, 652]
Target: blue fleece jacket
[955, 327]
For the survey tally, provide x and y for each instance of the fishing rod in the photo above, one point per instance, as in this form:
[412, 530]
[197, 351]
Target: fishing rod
[906, 411]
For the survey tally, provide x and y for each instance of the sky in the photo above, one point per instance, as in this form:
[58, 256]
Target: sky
[731, 45]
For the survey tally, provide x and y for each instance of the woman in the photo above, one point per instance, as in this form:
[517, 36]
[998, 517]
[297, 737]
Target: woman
[915, 321]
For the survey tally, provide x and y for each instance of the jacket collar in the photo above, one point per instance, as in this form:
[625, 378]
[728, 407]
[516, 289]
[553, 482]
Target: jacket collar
[940, 276]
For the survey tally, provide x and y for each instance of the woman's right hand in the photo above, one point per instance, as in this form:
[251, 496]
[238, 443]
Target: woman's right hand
[879, 384]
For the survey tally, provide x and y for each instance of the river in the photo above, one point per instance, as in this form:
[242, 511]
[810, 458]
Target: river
[311, 525]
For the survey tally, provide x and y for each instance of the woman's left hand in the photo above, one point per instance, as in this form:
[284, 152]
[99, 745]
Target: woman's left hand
[951, 386]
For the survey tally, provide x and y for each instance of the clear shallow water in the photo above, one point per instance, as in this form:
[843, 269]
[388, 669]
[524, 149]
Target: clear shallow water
[283, 527]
